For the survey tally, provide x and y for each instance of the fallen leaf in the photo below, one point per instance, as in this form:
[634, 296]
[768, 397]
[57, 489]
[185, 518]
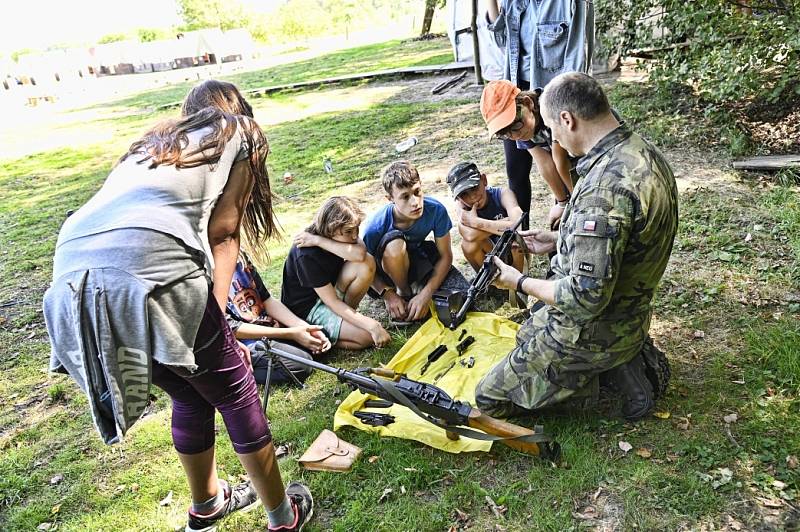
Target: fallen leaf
[662, 415]
[730, 418]
[45, 526]
[55, 509]
[120, 488]
[281, 450]
[792, 462]
[372, 459]
[722, 476]
[683, 423]
[644, 452]
[134, 487]
[498, 511]
[385, 494]
[403, 490]
[625, 446]
[699, 334]
[166, 501]
[588, 513]
[770, 503]
[748, 238]
[56, 479]
[410, 469]
[287, 178]
[462, 517]
[777, 484]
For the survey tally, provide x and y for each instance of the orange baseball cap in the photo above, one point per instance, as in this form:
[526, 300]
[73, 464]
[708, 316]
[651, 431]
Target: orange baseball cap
[498, 105]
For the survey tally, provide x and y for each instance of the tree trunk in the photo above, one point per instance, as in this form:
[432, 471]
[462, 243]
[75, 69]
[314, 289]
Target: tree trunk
[427, 19]
[476, 50]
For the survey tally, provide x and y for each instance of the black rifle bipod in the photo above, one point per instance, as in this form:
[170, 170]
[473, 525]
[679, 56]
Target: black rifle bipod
[273, 359]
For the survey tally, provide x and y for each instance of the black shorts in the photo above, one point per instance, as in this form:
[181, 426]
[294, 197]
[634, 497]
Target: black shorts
[422, 256]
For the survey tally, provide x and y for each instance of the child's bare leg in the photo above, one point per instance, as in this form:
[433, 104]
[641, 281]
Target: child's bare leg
[475, 244]
[561, 160]
[355, 279]
[395, 263]
[353, 338]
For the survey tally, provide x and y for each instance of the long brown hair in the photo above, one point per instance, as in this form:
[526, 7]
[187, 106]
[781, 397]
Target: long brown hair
[335, 213]
[219, 106]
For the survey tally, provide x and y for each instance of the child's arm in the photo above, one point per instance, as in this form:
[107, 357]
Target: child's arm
[470, 218]
[310, 336]
[328, 296]
[563, 165]
[350, 252]
[549, 172]
[419, 303]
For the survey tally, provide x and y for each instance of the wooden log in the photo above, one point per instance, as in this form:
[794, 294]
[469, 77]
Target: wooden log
[768, 162]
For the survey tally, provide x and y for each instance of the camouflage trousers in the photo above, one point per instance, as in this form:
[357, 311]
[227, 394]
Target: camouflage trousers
[523, 381]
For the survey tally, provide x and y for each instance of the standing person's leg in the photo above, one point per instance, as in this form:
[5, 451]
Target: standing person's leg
[192, 433]
[223, 381]
[518, 169]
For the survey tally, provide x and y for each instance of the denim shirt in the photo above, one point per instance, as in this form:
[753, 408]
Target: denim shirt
[560, 36]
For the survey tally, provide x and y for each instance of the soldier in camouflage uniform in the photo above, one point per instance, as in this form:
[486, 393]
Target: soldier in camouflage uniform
[612, 247]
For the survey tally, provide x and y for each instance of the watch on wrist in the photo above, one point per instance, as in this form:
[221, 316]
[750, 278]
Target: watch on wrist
[386, 289]
[520, 282]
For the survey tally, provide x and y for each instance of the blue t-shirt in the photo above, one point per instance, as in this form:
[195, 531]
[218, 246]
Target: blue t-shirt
[493, 210]
[434, 218]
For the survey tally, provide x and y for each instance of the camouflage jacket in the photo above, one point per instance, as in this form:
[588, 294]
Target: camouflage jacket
[613, 245]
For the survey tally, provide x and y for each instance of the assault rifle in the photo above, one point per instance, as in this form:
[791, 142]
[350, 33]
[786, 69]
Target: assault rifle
[452, 306]
[435, 406]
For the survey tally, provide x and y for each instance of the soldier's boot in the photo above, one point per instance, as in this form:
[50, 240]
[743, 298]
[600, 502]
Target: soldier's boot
[657, 368]
[632, 383]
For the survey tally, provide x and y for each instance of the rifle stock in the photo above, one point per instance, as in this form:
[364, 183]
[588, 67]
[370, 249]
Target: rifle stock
[489, 425]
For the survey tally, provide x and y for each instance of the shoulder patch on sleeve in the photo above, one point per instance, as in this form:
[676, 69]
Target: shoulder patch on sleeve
[589, 251]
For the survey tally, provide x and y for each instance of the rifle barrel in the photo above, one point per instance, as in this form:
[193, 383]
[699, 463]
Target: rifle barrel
[365, 384]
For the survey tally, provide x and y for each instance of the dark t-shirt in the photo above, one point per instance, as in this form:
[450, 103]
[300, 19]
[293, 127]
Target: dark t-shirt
[493, 210]
[304, 270]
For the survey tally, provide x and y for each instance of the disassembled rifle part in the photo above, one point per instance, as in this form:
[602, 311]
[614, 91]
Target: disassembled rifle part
[377, 403]
[375, 419]
[464, 344]
[467, 362]
[433, 356]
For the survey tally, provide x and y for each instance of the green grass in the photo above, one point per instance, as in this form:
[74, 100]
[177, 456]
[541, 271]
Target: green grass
[735, 290]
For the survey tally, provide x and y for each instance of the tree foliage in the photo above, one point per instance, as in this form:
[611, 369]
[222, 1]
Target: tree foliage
[728, 50]
[222, 14]
[112, 37]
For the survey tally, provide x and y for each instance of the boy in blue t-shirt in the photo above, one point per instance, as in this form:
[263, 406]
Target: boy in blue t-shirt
[410, 268]
[483, 213]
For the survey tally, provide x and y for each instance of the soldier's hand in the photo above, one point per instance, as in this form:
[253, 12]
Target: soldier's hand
[539, 242]
[507, 276]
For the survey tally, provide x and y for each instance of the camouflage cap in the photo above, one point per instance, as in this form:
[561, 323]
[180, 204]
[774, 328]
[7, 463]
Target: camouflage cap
[463, 177]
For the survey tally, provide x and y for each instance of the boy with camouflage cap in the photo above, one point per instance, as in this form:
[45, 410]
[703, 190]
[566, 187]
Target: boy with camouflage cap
[483, 213]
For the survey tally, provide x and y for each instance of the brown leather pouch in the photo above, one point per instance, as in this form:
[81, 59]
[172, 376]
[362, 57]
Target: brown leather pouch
[329, 453]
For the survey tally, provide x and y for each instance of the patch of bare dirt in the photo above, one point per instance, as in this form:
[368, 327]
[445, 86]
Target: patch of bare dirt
[601, 511]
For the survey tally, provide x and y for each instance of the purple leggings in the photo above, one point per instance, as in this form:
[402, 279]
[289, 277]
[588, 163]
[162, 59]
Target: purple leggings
[221, 382]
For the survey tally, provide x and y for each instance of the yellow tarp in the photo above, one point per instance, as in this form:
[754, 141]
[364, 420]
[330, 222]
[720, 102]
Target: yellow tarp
[494, 338]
